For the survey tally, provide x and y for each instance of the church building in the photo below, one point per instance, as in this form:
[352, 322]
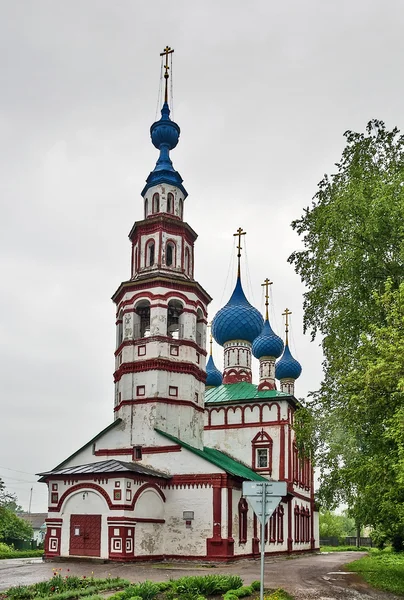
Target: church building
[164, 479]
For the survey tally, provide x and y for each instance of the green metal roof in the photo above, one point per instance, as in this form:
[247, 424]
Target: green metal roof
[221, 460]
[240, 392]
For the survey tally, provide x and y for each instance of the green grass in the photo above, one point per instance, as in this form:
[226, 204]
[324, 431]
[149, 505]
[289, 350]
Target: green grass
[344, 549]
[382, 569]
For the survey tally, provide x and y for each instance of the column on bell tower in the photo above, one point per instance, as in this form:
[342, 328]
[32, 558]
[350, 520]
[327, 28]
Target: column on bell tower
[162, 312]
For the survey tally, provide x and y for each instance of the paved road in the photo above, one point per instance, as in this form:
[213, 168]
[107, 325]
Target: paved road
[308, 577]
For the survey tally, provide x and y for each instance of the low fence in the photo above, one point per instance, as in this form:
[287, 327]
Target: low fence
[348, 541]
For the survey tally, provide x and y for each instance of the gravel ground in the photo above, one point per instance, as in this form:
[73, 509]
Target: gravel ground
[308, 577]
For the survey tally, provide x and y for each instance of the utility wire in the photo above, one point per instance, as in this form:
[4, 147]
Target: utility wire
[159, 95]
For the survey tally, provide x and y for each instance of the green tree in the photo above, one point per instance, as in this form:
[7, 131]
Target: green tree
[352, 266]
[333, 525]
[11, 526]
[8, 500]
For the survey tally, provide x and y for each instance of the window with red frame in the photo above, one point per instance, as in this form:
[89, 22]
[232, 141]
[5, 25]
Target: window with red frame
[262, 452]
[242, 521]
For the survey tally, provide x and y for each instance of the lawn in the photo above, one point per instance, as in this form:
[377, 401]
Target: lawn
[67, 587]
[382, 569]
[344, 549]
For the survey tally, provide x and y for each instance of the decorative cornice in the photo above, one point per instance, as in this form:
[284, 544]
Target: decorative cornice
[153, 280]
[161, 338]
[173, 401]
[160, 364]
[162, 222]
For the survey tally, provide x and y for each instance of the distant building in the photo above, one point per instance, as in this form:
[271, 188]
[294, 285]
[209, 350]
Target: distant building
[164, 479]
[38, 523]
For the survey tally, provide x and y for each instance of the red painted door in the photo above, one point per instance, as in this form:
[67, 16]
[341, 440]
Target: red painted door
[85, 535]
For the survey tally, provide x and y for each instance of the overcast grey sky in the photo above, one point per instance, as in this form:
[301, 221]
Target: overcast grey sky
[263, 92]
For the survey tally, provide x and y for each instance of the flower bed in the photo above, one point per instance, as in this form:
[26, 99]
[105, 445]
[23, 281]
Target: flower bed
[208, 587]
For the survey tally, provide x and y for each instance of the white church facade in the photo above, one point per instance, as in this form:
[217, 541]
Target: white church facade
[164, 479]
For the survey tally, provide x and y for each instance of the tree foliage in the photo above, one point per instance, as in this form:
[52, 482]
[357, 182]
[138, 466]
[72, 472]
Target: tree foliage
[8, 500]
[333, 525]
[11, 526]
[352, 266]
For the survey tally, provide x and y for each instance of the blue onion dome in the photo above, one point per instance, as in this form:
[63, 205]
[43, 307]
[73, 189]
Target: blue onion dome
[267, 343]
[164, 135]
[287, 367]
[238, 320]
[165, 131]
[214, 377]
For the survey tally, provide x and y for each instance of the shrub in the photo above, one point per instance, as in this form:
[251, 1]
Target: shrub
[256, 586]
[241, 592]
[206, 585]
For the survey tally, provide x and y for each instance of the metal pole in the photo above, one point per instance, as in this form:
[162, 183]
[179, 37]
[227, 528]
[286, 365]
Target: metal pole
[263, 517]
[30, 501]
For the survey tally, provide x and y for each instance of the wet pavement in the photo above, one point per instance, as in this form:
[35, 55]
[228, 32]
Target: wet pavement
[307, 577]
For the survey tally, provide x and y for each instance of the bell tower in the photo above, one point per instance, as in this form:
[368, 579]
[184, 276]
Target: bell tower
[161, 314]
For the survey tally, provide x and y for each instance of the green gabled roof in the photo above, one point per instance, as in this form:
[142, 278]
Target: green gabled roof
[241, 392]
[221, 460]
[89, 443]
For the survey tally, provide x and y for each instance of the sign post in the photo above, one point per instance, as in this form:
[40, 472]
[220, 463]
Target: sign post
[263, 497]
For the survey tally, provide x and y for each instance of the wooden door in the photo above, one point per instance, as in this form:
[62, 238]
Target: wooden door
[85, 535]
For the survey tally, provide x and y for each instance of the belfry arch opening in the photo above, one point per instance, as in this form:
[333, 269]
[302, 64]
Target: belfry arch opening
[142, 319]
[174, 321]
[146, 208]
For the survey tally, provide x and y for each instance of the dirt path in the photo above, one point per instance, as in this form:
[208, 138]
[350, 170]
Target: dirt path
[309, 577]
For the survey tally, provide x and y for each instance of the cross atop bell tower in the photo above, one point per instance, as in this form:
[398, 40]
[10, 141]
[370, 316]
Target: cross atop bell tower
[166, 52]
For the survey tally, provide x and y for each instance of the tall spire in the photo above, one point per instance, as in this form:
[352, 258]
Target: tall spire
[167, 50]
[165, 135]
[238, 234]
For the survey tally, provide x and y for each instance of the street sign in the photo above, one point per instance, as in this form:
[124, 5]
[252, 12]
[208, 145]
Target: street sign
[272, 488]
[253, 493]
[263, 497]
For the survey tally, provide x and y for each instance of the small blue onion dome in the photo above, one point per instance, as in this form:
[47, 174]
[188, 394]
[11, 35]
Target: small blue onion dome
[238, 320]
[164, 135]
[287, 367]
[165, 131]
[213, 375]
[267, 343]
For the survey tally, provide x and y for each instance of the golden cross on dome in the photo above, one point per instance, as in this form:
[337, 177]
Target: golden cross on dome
[286, 315]
[266, 285]
[239, 233]
[167, 50]
[209, 326]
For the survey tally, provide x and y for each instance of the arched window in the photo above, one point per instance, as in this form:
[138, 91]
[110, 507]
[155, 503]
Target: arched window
[297, 524]
[135, 264]
[199, 327]
[146, 208]
[156, 203]
[119, 331]
[181, 208]
[143, 319]
[170, 254]
[279, 515]
[170, 203]
[242, 520]
[187, 261]
[149, 259]
[262, 452]
[173, 319]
